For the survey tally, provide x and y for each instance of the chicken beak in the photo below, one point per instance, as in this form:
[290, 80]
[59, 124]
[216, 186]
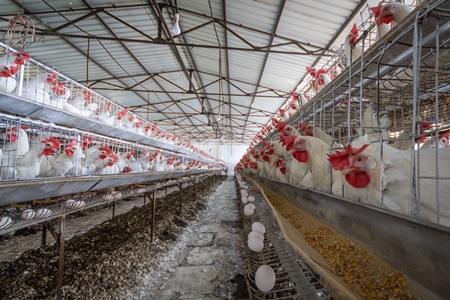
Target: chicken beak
[348, 170]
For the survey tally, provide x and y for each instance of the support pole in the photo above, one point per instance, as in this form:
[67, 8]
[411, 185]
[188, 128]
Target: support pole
[181, 196]
[203, 186]
[145, 197]
[195, 191]
[114, 209]
[44, 235]
[61, 242]
[153, 216]
[166, 191]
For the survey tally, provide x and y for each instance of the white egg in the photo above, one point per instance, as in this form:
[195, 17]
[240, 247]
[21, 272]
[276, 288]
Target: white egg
[255, 234]
[244, 199]
[251, 198]
[244, 193]
[259, 227]
[265, 278]
[70, 203]
[5, 222]
[255, 244]
[248, 211]
[43, 213]
[251, 205]
[27, 214]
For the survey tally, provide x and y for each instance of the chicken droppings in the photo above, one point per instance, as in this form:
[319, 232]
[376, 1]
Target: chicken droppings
[363, 273]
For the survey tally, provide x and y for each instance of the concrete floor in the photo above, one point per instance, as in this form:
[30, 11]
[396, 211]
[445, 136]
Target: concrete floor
[207, 262]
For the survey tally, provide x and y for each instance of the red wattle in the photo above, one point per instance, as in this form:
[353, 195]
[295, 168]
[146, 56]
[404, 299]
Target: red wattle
[47, 152]
[12, 138]
[358, 179]
[301, 156]
[387, 19]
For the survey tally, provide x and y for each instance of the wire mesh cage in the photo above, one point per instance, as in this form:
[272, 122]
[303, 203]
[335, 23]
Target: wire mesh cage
[391, 105]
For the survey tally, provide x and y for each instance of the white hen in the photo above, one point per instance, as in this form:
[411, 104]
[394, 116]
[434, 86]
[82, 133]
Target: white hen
[370, 180]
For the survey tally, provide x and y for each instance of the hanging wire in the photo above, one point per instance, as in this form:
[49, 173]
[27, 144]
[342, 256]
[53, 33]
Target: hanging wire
[22, 26]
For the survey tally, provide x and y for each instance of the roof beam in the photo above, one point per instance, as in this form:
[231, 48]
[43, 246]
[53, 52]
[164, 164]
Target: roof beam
[274, 30]
[76, 20]
[262, 49]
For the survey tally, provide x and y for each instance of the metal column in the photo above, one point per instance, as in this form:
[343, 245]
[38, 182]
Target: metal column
[61, 242]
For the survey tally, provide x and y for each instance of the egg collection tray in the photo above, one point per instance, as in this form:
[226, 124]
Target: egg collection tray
[293, 278]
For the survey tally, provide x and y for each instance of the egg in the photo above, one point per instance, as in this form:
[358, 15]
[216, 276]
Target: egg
[244, 200]
[265, 278]
[259, 227]
[255, 244]
[251, 198]
[248, 211]
[255, 234]
[43, 213]
[5, 222]
[27, 214]
[251, 205]
[244, 193]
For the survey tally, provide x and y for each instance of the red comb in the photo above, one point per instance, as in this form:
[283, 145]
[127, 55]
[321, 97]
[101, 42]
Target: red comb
[425, 125]
[302, 126]
[72, 143]
[52, 140]
[21, 57]
[280, 126]
[278, 163]
[339, 159]
[376, 10]
[288, 141]
[15, 128]
[13, 69]
[354, 29]
[321, 71]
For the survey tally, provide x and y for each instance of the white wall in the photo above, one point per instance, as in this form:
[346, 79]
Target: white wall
[229, 153]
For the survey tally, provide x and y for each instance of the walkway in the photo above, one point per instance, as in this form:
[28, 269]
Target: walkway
[207, 262]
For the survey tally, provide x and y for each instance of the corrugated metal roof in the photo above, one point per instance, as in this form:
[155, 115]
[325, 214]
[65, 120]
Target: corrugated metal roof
[241, 67]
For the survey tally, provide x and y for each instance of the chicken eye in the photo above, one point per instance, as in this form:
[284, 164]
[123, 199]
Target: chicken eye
[360, 159]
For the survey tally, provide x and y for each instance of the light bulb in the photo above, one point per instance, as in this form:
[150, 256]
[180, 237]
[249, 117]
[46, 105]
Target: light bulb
[176, 30]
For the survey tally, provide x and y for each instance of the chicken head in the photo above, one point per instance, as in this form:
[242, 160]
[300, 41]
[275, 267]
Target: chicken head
[50, 146]
[353, 165]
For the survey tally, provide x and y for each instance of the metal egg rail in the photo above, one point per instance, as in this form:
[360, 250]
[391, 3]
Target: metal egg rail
[32, 215]
[294, 279]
